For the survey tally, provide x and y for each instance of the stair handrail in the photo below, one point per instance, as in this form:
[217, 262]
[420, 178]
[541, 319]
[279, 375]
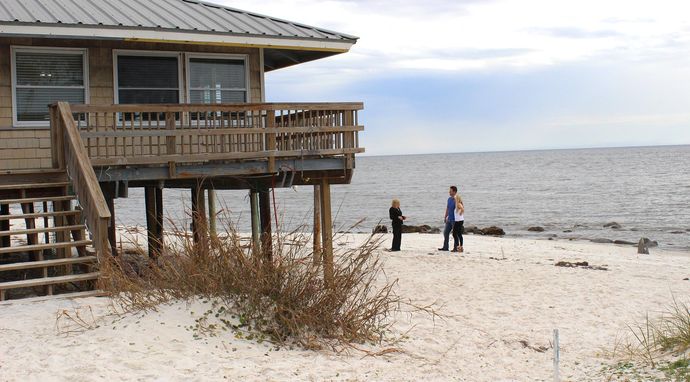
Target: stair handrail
[69, 153]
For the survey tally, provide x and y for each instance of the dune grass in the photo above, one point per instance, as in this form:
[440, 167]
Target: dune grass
[661, 344]
[282, 297]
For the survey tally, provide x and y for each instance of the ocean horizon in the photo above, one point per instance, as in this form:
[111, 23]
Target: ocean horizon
[646, 190]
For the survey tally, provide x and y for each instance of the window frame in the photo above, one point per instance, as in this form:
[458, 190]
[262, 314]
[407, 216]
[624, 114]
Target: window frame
[147, 53]
[217, 56]
[84, 52]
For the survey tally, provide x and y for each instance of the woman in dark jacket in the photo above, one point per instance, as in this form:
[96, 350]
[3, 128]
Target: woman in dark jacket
[397, 219]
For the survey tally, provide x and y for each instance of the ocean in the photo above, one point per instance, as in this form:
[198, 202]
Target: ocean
[646, 190]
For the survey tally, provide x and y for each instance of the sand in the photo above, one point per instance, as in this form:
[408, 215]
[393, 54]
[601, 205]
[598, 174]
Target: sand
[501, 300]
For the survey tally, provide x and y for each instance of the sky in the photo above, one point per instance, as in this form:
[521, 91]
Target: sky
[494, 75]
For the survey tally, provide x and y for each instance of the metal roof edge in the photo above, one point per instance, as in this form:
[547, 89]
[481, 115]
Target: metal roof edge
[214, 5]
[103, 32]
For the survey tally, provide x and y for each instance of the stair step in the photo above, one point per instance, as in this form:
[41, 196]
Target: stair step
[42, 230]
[38, 200]
[47, 263]
[39, 215]
[4, 187]
[40, 247]
[88, 293]
[49, 281]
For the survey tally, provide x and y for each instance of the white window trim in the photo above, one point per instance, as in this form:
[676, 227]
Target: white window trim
[147, 53]
[221, 56]
[14, 49]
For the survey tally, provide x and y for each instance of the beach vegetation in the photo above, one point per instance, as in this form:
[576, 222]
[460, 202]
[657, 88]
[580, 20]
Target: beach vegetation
[281, 297]
[659, 345]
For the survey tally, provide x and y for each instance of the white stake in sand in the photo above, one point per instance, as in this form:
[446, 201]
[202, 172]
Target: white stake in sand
[556, 356]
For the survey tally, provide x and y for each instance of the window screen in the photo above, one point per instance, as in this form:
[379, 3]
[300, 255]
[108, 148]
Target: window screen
[45, 78]
[217, 80]
[143, 79]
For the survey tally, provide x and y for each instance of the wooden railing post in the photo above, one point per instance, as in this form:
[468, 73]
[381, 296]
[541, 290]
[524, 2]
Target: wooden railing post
[56, 138]
[349, 137]
[170, 141]
[270, 143]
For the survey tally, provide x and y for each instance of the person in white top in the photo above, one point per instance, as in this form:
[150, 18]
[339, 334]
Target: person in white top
[459, 222]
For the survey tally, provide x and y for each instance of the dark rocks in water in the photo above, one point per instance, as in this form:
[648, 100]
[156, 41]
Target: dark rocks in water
[493, 231]
[623, 242]
[602, 241]
[612, 225]
[420, 229]
[536, 229]
[650, 243]
[473, 229]
[379, 229]
[567, 231]
[642, 248]
[411, 229]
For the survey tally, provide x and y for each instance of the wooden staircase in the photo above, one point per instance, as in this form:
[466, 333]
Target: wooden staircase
[44, 249]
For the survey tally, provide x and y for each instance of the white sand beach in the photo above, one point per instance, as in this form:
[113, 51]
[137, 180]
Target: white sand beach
[501, 301]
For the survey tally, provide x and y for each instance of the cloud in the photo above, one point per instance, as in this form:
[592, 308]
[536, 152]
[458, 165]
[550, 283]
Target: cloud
[573, 32]
[501, 74]
[473, 35]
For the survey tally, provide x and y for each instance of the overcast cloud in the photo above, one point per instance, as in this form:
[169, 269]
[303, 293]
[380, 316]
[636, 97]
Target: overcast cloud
[503, 74]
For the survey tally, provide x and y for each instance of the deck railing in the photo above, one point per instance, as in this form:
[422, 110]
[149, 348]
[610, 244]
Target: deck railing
[117, 135]
[70, 153]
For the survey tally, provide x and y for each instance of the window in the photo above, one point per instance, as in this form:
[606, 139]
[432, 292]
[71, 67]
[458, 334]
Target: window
[217, 80]
[44, 76]
[147, 79]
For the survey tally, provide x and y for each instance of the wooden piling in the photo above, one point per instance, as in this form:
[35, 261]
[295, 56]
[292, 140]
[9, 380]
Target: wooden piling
[151, 223]
[159, 218]
[327, 232]
[212, 211]
[109, 194]
[265, 212]
[5, 226]
[316, 234]
[198, 213]
[256, 221]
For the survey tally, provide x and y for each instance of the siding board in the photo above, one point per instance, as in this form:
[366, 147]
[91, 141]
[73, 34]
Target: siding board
[24, 148]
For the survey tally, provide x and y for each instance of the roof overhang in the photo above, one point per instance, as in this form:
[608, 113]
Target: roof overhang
[279, 52]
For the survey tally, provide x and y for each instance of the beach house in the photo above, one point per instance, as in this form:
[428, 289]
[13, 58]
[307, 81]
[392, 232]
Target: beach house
[99, 96]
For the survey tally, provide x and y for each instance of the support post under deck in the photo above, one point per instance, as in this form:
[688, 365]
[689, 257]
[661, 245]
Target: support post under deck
[159, 217]
[316, 234]
[198, 213]
[212, 211]
[327, 232]
[5, 225]
[256, 221]
[109, 194]
[266, 239]
[151, 221]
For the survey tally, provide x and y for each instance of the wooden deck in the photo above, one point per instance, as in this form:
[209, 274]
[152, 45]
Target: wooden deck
[98, 152]
[142, 143]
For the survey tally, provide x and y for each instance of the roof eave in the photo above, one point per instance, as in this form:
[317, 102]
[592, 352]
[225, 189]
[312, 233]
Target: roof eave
[101, 32]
